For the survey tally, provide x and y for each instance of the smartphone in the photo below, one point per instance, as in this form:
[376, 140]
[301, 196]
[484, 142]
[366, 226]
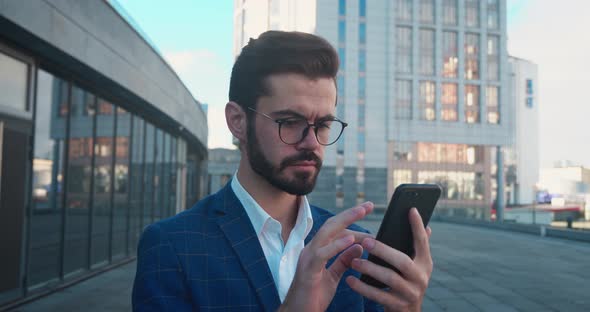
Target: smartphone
[395, 229]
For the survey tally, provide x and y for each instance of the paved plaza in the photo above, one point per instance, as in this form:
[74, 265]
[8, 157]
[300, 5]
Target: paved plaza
[475, 269]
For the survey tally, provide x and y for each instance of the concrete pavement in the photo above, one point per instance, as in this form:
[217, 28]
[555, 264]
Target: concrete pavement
[476, 269]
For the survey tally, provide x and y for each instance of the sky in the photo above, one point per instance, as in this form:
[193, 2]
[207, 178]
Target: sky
[195, 37]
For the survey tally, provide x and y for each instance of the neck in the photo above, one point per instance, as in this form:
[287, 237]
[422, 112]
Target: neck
[279, 204]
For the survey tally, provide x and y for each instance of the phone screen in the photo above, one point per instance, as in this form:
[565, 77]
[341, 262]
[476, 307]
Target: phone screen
[395, 229]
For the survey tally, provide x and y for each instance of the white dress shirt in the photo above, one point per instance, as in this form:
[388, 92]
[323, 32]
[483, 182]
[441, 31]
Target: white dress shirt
[281, 258]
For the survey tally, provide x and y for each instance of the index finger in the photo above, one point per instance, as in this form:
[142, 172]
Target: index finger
[333, 226]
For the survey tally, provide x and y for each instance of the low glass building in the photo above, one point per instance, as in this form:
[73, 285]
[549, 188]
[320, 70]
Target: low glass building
[98, 138]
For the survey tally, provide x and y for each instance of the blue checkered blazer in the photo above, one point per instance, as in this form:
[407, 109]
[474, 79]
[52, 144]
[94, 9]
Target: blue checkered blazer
[208, 258]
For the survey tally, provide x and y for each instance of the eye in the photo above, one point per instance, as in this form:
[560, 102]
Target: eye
[291, 122]
[326, 124]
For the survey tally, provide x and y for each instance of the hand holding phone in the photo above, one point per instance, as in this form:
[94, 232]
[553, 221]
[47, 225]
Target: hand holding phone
[395, 230]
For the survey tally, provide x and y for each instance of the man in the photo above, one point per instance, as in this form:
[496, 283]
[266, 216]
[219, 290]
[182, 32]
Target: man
[257, 245]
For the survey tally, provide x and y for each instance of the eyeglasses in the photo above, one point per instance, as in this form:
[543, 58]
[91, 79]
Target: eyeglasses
[293, 130]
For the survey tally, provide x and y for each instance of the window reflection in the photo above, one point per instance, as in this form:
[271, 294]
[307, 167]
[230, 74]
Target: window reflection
[121, 184]
[427, 51]
[493, 57]
[449, 102]
[450, 56]
[427, 99]
[427, 11]
[13, 82]
[472, 13]
[79, 179]
[492, 105]
[471, 104]
[449, 153]
[403, 103]
[48, 178]
[404, 10]
[103, 182]
[471, 56]
[492, 14]
[449, 13]
[404, 50]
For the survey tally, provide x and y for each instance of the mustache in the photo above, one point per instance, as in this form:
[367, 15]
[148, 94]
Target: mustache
[305, 156]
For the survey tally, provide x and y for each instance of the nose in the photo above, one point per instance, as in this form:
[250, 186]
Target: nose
[310, 141]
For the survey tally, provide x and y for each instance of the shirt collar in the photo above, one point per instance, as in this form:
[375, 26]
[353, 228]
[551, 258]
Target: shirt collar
[258, 216]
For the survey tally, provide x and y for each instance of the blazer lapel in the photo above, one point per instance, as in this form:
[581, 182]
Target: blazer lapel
[238, 230]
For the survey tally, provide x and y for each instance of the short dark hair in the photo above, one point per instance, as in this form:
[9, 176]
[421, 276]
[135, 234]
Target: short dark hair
[279, 52]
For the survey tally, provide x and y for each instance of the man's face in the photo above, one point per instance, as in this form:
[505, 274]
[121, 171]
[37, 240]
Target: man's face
[291, 168]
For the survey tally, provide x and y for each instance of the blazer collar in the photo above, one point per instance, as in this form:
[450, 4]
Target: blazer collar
[235, 224]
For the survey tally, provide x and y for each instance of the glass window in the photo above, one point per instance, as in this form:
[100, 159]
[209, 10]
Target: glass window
[158, 174]
[136, 187]
[173, 173]
[450, 57]
[449, 12]
[493, 58]
[404, 10]
[362, 87]
[492, 104]
[148, 177]
[79, 179]
[103, 173]
[48, 179]
[401, 176]
[341, 31]
[427, 51]
[361, 141]
[449, 102]
[362, 8]
[427, 99]
[342, 7]
[121, 183]
[404, 50]
[402, 151]
[427, 11]
[362, 62]
[492, 15]
[166, 163]
[13, 83]
[472, 13]
[362, 33]
[471, 56]
[403, 103]
[471, 103]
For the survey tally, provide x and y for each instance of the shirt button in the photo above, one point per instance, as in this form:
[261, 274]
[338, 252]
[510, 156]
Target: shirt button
[283, 258]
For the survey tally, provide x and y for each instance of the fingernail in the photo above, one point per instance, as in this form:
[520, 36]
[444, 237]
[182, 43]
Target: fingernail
[356, 262]
[368, 243]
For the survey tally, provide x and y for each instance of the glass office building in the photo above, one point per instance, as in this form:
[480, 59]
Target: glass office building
[94, 146]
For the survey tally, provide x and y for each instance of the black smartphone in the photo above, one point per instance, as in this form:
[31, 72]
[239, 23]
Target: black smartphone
[395, 229]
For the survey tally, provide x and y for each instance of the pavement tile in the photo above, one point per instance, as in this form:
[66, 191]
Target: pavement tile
[458, 305]
[436, 293]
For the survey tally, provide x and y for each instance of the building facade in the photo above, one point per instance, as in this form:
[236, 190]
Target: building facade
[423, 85]
[98, 138]
[522, 162]
[222, 164]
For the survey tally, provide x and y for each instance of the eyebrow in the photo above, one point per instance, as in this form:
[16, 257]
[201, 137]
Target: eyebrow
[292, 113]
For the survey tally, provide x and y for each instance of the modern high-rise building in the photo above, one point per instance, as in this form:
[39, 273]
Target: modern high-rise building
[98, 138]
[423, 85]
[522, 162]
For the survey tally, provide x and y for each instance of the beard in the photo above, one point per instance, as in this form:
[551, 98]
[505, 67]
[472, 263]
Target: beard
[302, 183]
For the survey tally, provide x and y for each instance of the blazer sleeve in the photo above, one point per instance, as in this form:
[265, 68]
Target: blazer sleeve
[159, 281]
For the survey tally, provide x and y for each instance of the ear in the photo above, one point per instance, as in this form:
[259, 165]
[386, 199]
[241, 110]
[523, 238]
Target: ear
[235, 117]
